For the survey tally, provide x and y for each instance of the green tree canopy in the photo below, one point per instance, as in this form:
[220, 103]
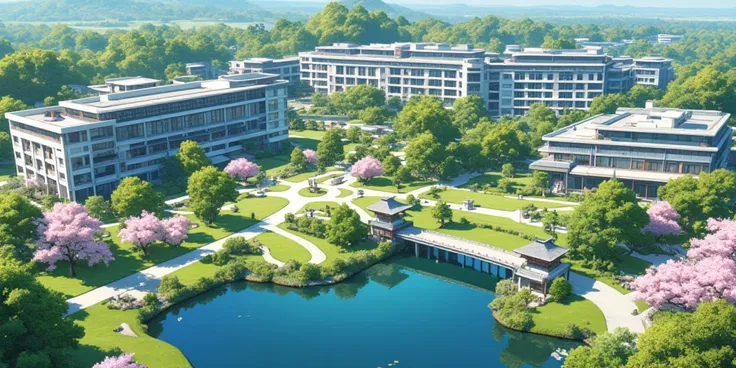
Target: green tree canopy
[192, 157]
[330, 149]
[468, 111]
[209, 189]
[610, 350]
[134, 196]
[298, 159]
[424, 154]
[345, 228]
[425, 114]
[607, 104]
[17, 226]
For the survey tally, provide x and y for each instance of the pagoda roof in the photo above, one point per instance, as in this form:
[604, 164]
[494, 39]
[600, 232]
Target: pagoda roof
[545, 250]
[388, 206]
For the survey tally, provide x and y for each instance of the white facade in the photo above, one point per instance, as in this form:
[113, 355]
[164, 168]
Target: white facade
[654, 71]
[286, 68]
[84, 147]
[400, 69]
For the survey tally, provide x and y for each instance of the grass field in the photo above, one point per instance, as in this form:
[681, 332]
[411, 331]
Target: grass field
[384, 184]
[493, 201]
[305, 192]
[283, 248]
[318, 205]
[553, 318]
[128, 260]
[520, 179]
[345, 193]
[309, 139]
[331, 251]
[278, 188]
[423, 218]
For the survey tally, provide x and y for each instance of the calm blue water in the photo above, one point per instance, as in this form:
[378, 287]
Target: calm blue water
[385, 314]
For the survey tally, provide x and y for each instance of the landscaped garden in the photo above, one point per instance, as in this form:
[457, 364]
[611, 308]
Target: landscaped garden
[492, 201]
[385, 184]
[283, 248]
[308, 192]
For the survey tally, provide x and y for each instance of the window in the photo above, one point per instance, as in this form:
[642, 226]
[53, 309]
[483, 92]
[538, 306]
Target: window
[100, 133]
[340, 69]
[129, 132]
[435, 73]
[565, 94]
[451, 74]
[76, 137]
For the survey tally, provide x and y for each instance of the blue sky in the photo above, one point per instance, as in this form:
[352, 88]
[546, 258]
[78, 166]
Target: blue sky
[639, 3]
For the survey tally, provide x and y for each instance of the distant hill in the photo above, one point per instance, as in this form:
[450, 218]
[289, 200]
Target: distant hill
[129, 10]
[393, 10]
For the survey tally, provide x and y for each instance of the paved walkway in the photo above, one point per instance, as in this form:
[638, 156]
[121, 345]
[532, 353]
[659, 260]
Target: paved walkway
[615, 306]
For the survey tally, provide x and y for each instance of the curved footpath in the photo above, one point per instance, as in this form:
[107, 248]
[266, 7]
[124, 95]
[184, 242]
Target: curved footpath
[615, 306]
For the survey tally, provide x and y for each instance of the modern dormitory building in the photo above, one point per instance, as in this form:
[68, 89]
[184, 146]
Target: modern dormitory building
[642, 147]
[84, 147]
[286, 68]
[654, 71]
[509, 83]
[400, 69]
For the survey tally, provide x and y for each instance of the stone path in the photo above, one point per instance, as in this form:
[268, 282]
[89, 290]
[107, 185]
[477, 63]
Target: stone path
[615, 306]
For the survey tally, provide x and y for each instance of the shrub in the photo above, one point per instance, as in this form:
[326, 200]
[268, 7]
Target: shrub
[261, 270]
[124, 302]
[520, 320]
[150, 299]
[220, 258]
[308, 272]
[506, 287]
[289, 218]
[560, 289]
[506, 185]
[574, 331]
[238, 245]
[232, 272]
[170, 286]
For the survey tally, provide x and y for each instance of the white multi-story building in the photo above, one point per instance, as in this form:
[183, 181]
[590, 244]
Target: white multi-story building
[654, 71]
[286, 68]
[123, 84]
[400, 69]
[84, 147]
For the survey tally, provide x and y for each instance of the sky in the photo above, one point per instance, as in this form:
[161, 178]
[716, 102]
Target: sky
[638, 3]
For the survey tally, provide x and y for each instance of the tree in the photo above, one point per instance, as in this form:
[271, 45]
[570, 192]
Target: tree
[468, 111]
[374, 115]
[345, 228]
[9, 104]
[6, 148]
[120, 361]
[540, 181]
[17, 221]
[390, 164]
[507, 170]
[28, 312]
[602, 221]
[175, 70]
[558, 44]
[609, 103]
[295, 121]
[550, 221]
[704, 338]
[176, 230]
[424, 154]
[712, 195]
[242, 169]
[98, 207]
[311, 156]
[5, 47]
[330, 148]
[639, 94]
[502, 144]
[394, 103]
[67, 233]
[298, 159]
[133, 196]
[662, 220]
[142, 231]
[366, 168]
[353, 133]
[710, 88]
[209, 189]
[609, 350]
[192, 157]
[506, 185]
[401, 176]
[425, 114]
[707, 273]
[442, 212]
[560, 289]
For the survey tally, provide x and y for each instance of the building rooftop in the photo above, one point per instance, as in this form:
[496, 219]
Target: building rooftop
[650, 59]
[545, 250]
[269, 60]
[388, 206]
[645, 120]
[131, 81]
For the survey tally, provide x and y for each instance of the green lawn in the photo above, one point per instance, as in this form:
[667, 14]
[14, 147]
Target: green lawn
[305, 192]
[331, 251]
[99, 340]
[279, 188]
[328, 177]
[309, 139]
[553, 318]
[345, 193]
[283, 248]
[423, 219]
[493, 201]
[520, 180]
[384, 184]
[128, 260]
[318, 205]
[6, 171]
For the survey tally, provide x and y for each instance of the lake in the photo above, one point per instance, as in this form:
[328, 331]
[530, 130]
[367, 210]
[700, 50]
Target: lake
[403, 313]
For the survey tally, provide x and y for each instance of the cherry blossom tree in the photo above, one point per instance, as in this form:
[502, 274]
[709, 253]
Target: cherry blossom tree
[176, 229]
[708, 273]
[662, 220]
[120, 361]
[366, 168]
[311, 156]
[67, 233]
[142, 231]
[241, 169]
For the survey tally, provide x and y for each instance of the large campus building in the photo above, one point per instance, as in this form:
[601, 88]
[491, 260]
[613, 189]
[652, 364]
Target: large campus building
[643, 147]
[509, 83]
[286, 68]
[84, 147]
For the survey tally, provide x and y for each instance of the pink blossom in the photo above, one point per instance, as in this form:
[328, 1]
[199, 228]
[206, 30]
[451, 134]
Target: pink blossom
[366, 168]
[120, 361]
[241, 169]
[311, 156]
[662, 219]
[176, 229]
[142, 231]
[707, 274]
[68, 233]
